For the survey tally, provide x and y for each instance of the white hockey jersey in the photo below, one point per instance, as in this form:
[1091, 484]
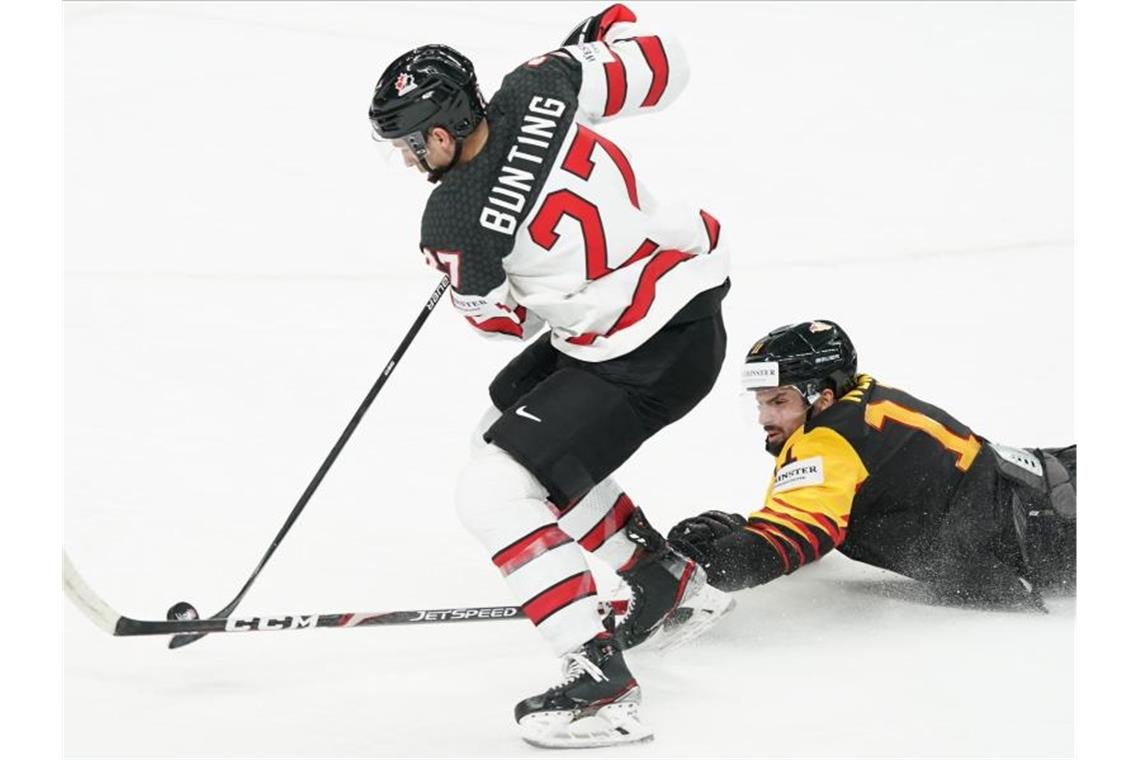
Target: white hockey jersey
[549, 224]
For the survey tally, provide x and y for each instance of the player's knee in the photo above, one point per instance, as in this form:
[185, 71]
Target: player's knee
[490, 482]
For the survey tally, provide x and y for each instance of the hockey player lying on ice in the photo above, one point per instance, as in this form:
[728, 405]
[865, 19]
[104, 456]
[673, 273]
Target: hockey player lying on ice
[541, 221]
[888, 480]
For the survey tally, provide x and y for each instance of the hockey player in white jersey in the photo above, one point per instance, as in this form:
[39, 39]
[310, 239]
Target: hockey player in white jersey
[542, 222]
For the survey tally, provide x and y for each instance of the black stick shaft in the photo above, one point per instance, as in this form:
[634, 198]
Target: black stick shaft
[130, 627]
[225, 612]
[125, 626]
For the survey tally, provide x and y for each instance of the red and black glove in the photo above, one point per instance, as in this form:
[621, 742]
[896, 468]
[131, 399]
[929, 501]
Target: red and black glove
[594, 28]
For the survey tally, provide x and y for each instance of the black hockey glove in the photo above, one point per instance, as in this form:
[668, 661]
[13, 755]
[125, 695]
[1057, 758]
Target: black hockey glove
[694, 536]
[594, 28]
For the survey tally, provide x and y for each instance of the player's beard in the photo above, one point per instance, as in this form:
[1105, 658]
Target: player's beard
[774, 445]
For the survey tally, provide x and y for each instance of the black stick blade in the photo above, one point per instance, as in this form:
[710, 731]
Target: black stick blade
[182, 639]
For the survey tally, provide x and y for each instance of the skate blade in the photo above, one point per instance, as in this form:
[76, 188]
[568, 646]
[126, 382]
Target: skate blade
[607, 727]
[691, 619]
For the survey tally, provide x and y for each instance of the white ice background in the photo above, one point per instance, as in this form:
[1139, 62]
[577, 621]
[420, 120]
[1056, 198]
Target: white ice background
[240, 264]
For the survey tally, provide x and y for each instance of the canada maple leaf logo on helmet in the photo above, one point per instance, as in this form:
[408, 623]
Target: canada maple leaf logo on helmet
[404, 83]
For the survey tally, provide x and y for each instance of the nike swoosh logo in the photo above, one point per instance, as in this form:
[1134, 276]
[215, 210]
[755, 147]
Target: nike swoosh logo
[522, 412]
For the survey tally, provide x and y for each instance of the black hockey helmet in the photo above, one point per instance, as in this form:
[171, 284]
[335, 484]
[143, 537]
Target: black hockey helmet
[809, 356]
[430, 86]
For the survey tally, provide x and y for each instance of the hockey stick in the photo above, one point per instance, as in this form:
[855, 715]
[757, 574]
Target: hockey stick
[101, 613]
[183, 639]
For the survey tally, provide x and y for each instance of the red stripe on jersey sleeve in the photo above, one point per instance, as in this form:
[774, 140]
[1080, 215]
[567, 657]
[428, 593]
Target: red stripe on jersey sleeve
[545, 603]
[712, 227]
[612, 15]
[834, 532]
[615, 84]
[762, 531]
[623, 166]
[654, 53]
[503, 325]
[615, 519]
[778, 530]
[529, 547]
[803, 529]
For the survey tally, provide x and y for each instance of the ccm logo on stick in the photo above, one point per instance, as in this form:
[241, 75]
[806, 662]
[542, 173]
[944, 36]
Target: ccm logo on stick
[272, 624]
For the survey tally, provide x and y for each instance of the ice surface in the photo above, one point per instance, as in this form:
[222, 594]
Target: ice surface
[240, 266]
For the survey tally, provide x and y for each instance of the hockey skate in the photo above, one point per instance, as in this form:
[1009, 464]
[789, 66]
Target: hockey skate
[595, 705]
[670, 599]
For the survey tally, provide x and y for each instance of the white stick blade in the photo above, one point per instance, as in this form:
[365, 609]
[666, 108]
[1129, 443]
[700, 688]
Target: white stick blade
[87, 600]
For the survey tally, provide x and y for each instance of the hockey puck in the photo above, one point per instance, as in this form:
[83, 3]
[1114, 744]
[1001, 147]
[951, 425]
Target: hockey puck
[182, 611]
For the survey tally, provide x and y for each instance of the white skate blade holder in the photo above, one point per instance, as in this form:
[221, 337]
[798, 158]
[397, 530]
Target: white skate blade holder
[607, 726]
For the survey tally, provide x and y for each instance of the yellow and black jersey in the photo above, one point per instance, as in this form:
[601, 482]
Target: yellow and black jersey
[876, 475]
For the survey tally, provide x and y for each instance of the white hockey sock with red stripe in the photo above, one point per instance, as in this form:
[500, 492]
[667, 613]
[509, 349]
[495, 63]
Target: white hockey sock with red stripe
[505, 507]
[598, 521]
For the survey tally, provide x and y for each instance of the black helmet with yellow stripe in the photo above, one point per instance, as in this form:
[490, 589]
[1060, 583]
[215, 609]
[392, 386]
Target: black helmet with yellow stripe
[809, 356]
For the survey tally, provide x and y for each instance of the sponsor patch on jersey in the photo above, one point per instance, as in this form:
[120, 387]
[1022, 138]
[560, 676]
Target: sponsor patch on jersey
[760, 375]
[805, 472]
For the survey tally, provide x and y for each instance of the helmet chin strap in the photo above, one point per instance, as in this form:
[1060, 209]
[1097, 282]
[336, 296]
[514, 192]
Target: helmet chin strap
[435, 175]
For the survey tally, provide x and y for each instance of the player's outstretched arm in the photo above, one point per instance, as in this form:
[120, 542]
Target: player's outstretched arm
[627, 68]
[737, 553]
[805, 515]
[732, 558]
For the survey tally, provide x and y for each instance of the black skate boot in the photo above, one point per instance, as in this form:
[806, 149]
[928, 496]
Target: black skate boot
[595, 705]
[669, 592]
